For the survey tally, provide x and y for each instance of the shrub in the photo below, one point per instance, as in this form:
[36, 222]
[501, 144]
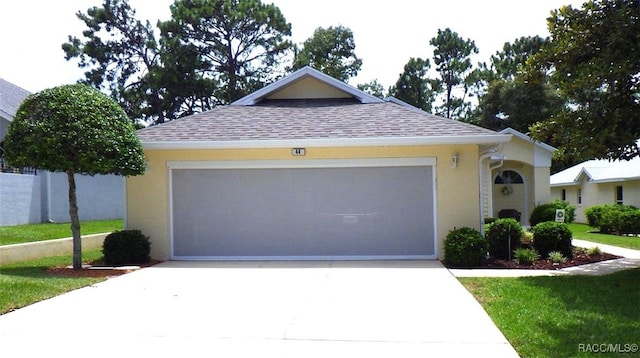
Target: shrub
[488, 221]
[503, 236]
[594, 251]
[547, 212]
[126, 247]
[608, 218]
[526, 256]
[464, 247]
[557, 257]
[552, 236]
[629, 222]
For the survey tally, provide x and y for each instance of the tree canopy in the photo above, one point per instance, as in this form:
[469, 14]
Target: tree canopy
[451, 55]
[331, 51]
[593, 58]
[239, 42]
[74, 129]
[413, 85]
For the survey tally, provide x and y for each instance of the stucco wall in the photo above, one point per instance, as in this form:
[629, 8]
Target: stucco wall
[19, 199]
[456, 188]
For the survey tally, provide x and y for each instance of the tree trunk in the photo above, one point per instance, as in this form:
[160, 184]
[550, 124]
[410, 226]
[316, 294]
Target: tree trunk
[75, 221]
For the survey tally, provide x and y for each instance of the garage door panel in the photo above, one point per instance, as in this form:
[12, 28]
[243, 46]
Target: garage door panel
[336, 212]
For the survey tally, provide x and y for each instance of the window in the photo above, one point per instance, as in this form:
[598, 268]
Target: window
[579, 195]
[619, 199]
[564, 194]
[508, 177]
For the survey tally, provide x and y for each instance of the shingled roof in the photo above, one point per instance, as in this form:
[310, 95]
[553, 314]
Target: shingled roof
[11, 96]
[258, 121]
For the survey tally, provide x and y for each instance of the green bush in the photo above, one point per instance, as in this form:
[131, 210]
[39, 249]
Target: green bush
[608, 218]
[525, 256]
[629, 222]
[503, 237]
[547, 212]
[126, 247]
[464, 247]
[552, 236]
[488, 221]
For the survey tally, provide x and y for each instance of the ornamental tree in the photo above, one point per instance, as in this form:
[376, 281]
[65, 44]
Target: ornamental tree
[74, 129]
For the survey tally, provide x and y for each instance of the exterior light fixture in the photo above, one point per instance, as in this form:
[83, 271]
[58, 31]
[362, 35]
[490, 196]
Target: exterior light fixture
[454, 160]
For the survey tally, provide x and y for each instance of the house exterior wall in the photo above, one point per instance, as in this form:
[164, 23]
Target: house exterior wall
[456, 188]
[597, 194]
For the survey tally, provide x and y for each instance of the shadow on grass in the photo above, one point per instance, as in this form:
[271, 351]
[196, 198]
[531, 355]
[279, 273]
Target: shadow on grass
[584, 310]
[25, 271]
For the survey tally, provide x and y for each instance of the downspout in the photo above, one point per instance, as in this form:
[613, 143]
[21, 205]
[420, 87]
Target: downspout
[486, 154]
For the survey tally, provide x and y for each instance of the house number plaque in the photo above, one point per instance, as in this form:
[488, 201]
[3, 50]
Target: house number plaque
[297, 152]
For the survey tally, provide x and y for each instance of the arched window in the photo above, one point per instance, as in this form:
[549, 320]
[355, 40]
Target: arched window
[508, 177]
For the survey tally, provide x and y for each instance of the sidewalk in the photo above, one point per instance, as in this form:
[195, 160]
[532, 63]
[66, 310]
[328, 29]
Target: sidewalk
[630, 260]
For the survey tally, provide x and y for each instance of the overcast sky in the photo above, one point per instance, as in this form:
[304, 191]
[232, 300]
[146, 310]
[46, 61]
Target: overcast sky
[387, 33]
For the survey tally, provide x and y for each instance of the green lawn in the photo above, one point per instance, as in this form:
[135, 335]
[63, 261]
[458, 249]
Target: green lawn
[38, 232]
[582, 232]
[554, 316]
[27, 282]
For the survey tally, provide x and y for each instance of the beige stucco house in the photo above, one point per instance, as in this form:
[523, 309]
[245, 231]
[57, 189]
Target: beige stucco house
[312, 168]
[598, 182]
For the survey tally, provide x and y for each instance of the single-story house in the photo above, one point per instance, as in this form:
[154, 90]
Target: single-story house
[598, 182]
[30, 196]
[312, 168]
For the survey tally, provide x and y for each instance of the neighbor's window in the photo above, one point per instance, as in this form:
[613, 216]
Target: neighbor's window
[579, 195]
[564, 194]
[619, 198]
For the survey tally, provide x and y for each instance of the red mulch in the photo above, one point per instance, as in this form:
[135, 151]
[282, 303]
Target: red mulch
[99, 270]
[580, 257]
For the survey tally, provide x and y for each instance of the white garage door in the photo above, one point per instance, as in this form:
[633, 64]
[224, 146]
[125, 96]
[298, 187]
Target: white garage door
[320, 210]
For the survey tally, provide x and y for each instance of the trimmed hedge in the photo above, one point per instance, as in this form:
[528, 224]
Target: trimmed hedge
[503, 237]
[126, 247]
[614, 218]
[552, 236]
[547, 212]
[464, 247]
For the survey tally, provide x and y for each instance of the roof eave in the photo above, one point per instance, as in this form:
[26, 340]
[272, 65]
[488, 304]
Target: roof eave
[327, 142]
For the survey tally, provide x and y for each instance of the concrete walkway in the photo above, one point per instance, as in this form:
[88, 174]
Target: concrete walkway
[261, 309]
[630, 260]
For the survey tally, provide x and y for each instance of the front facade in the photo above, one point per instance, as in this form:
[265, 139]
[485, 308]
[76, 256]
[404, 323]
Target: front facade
[310, 168]
[598, 182]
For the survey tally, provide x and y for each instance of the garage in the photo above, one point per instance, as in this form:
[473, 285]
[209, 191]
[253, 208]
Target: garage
[303, 209]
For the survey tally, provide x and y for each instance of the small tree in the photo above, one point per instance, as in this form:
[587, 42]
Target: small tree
[74, 129]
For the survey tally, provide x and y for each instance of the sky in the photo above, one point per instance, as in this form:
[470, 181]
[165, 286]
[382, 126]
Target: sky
[387, 33]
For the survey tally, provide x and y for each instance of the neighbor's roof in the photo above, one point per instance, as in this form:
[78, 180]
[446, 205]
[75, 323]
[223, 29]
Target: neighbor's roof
[360, 119]
[11, 96]
[599, 170]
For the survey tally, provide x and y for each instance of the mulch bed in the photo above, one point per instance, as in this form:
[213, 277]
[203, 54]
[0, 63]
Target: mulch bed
[99, 269]
[580, 257]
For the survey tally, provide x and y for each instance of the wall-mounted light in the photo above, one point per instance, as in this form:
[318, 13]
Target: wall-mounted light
[454, 160]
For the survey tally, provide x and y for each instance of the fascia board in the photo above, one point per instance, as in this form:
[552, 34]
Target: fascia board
[340, 142]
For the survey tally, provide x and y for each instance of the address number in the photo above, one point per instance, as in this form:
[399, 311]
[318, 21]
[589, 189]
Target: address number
[297, 151]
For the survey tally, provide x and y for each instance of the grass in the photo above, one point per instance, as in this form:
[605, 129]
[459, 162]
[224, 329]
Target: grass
[39, 232]
[553, 316]
[27, 282]
[582, 232]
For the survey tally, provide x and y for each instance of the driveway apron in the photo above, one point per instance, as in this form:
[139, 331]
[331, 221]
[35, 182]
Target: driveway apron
[265, 309]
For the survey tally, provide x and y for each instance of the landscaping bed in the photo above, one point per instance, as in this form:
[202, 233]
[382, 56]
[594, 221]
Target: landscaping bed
[580, 257]
[97, 269]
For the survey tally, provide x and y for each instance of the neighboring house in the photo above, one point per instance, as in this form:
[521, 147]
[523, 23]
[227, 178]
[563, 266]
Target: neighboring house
[30, 196]
[597, 182]
[312, 168]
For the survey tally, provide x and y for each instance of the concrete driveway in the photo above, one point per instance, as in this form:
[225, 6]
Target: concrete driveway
[261, 309]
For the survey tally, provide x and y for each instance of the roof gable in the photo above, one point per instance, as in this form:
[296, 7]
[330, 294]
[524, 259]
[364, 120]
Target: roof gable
[306, 83]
